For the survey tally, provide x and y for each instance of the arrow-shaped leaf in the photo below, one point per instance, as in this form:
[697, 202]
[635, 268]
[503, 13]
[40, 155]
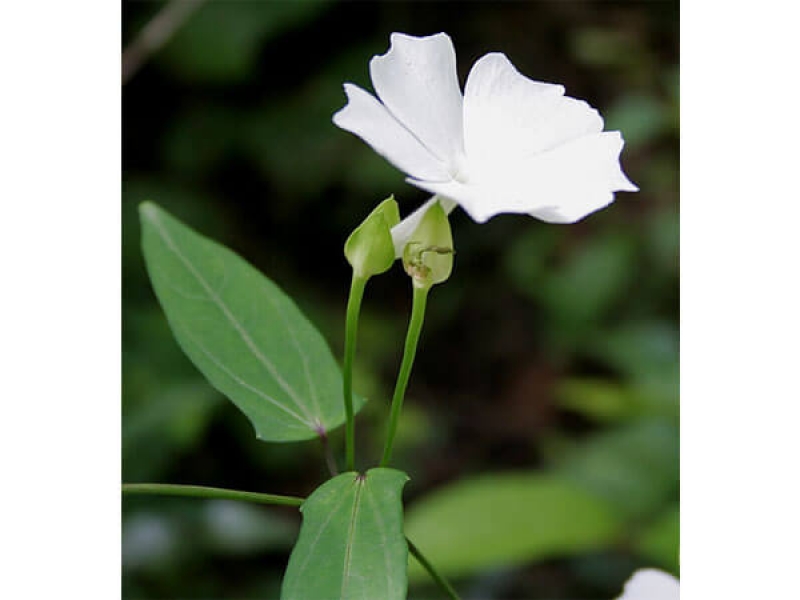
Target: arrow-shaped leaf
[244, 334]
[351, 544]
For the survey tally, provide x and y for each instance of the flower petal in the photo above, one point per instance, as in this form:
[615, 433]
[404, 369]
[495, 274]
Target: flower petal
[651, 584]
[509, 115]
[403, 230]
[368, 119]
[417, 81]
[469, 197]
[579, 178]
[560, 186]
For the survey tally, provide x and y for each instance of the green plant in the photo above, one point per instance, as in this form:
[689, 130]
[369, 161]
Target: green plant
[257, 348]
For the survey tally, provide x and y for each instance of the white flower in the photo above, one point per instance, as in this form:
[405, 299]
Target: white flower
[651, 584]
[508, 145]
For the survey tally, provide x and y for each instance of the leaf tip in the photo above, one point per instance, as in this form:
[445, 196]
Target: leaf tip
[148, 210]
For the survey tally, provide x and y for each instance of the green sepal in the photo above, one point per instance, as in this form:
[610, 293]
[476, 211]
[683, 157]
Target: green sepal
[369, 249]
[428, 255]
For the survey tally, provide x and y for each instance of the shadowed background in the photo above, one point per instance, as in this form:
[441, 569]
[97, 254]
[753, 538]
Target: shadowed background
[551, 353]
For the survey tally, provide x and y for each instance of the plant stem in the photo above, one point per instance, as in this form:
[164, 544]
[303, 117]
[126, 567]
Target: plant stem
[200, 491]
[326, 449]
[440, 581]
[357, 286]
[409, 352]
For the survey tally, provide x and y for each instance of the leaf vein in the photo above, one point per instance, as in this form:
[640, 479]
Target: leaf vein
[384, 542]
[348, 549]
[241, 381]
[322, 529]
[232, 319]
[311, 389]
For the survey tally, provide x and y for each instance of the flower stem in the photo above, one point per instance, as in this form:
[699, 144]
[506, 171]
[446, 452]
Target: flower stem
[440, 581]
[199, 491]
[357, 286]
[410, 351]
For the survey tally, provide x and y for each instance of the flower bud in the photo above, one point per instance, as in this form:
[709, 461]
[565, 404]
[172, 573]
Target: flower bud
[369, 249]
[428, 255]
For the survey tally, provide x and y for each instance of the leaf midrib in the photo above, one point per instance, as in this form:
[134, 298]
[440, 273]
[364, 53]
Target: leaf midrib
[238, 380]
[170, 243]
[348, 549]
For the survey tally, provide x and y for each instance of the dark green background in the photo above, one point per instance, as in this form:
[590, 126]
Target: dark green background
[550, 348]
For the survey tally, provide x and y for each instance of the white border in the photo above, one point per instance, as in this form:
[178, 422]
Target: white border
[60, 331]
[740, 298]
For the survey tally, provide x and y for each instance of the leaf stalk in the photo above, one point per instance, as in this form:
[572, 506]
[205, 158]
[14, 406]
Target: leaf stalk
[435, 575]
[199, 491]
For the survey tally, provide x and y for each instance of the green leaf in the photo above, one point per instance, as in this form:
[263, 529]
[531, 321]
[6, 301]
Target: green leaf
[660, 540]
[351, 543]
[641, 118]
[599, 399]
[587, 285]
[638, 348]
[635, 467]
[608, 401]
[245, 335]
[505, 520]
[646, 353]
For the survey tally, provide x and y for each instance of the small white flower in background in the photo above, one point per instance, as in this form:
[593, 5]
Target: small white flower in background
[651, 584]
[508, 145]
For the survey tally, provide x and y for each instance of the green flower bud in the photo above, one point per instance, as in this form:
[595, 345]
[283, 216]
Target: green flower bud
[369, 249]
[428, 255]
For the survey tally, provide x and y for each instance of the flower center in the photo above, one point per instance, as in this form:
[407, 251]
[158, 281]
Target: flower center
[458, 169]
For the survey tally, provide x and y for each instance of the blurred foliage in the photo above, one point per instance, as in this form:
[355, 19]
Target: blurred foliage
[222, 44]
[513, 518]
[550, 354]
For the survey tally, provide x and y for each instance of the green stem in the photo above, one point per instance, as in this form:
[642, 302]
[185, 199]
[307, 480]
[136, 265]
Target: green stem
[199, 491]
[351, 329]
[409, 352]
[440, 581]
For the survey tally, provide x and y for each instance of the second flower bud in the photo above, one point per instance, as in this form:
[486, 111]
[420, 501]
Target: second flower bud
[428, 255]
